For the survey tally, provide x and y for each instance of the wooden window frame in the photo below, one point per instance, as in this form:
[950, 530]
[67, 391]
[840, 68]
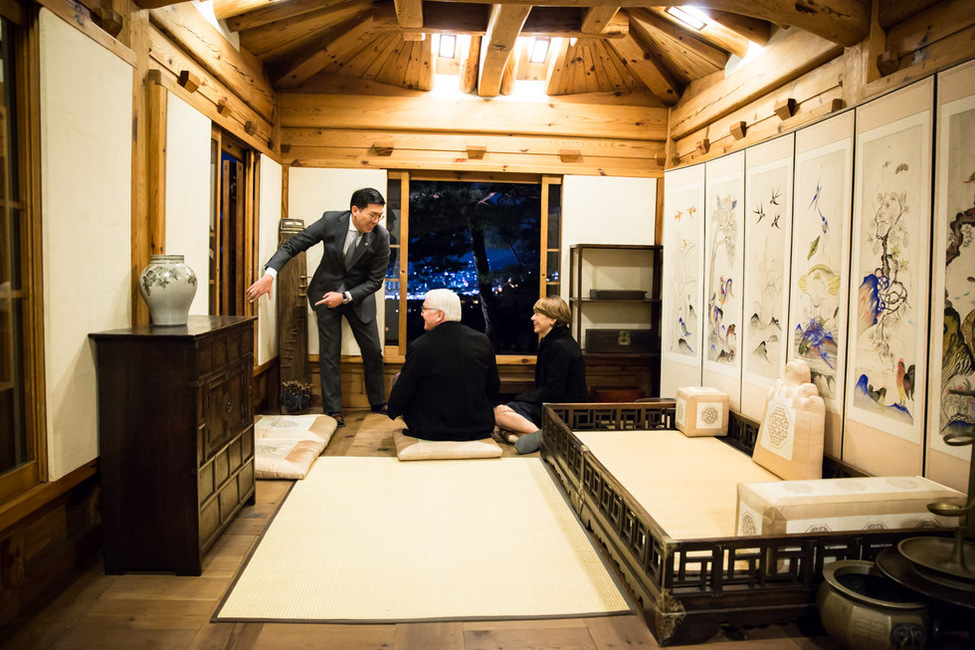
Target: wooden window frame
[20, 480]
[545, 182]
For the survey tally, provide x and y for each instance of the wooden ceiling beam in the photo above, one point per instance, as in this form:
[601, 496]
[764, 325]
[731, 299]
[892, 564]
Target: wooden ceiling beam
[846, 22]
[557, 66]
[647, 68]
[756, 30]
[306, 61]
[472, 19]
[713, 33]
[710, 99]
[469, 65]
[686, 40]
[224, 9]
[596, 19]
[409, 13]
[274, 40]
[269, 13]
[504, 26]
[568, 23]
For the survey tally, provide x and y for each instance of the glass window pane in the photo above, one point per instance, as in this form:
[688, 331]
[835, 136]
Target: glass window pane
[13, 441]
[553, 260]
[554, 216]
[479, 239]
[393, 224]
[14, 449]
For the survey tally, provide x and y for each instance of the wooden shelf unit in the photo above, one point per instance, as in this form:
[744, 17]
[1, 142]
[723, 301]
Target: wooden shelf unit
[645, 263]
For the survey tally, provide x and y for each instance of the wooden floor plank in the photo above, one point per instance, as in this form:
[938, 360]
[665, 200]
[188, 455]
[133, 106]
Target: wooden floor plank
[423, 636]
[537, 638]
[610, 632]
[167, 587]
[326, 637]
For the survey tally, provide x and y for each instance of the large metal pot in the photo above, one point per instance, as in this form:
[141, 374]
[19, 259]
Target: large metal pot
[862, 609]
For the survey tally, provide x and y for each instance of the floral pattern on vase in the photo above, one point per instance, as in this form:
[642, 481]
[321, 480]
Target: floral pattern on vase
[168, 286]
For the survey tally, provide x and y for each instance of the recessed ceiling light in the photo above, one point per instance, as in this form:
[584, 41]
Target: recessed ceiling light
[448, 46]
[539, 50]
[690, 16]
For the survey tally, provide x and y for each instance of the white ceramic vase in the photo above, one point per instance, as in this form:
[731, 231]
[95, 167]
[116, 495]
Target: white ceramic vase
[168, 286]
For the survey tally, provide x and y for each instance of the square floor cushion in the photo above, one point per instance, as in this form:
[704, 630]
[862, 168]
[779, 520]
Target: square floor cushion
[287, 445]
[410, 448]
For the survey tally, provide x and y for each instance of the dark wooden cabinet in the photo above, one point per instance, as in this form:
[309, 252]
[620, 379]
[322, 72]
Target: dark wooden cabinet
[176, 439]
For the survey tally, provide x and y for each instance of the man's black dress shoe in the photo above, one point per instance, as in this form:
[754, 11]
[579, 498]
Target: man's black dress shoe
[339, 420]
[380, 408]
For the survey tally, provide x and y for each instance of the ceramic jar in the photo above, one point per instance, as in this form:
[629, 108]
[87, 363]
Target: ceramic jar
[168, 286]
[862, 609]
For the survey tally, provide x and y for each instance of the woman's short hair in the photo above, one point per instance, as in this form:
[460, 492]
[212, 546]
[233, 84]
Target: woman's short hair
[554, 307]
[446, 301]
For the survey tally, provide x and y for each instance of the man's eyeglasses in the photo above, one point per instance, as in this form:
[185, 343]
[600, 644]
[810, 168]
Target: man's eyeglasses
[373, 217]
[425, 308]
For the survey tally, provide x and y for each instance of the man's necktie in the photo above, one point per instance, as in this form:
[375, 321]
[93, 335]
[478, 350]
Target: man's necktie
[350, 249]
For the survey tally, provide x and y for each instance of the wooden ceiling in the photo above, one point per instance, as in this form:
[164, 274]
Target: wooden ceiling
[596, 46]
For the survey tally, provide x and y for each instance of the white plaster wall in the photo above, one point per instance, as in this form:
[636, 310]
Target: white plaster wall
[310, 193]
[188, 193]
[269, 214]
[86, 190]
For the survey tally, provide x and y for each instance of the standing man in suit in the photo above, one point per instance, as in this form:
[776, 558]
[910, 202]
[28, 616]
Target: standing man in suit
[352, 270]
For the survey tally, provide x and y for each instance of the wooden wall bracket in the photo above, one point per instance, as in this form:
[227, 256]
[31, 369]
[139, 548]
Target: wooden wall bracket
[703, 145]
[738, 130]
[569, 155]
[223, 108]
[786, 108]
[887, 62]
[475, 152]
[383, 148]
[189, 81]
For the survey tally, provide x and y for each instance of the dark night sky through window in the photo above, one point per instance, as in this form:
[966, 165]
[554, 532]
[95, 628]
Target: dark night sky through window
[480, 240]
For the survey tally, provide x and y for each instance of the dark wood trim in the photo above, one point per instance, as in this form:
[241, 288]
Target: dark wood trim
[41, 495]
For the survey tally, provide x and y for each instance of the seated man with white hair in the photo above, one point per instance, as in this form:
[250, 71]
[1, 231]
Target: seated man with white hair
[449, 383]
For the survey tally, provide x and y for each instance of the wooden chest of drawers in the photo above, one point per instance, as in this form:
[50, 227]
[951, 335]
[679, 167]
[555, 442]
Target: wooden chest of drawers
[176, 439]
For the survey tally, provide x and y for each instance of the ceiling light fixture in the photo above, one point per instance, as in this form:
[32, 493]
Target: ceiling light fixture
[539, 50]
[690, 16]
[448, 46]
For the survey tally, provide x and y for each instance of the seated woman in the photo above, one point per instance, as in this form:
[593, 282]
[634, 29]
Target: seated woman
[449, 380]
[560, 376]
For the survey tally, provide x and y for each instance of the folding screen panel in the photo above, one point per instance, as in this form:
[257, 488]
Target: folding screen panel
[951, 404]
[683, 317]
[820, 261]
[768, 240]
[888, 335]
[724, 256]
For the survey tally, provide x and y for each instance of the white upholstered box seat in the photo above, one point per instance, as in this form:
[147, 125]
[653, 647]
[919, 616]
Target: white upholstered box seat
[868, 503]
